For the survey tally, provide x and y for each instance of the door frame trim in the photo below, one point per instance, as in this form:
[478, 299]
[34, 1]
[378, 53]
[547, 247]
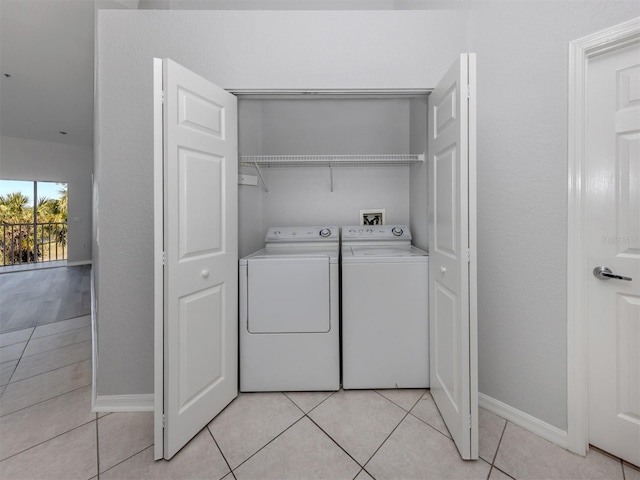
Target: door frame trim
[158, 257]
[580, 52]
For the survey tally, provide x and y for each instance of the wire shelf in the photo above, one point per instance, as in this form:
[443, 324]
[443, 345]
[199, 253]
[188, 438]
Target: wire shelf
[329, 160]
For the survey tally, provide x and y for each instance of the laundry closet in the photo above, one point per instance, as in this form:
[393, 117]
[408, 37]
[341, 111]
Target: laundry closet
[324, 159]
[319, 158]
[309, 158]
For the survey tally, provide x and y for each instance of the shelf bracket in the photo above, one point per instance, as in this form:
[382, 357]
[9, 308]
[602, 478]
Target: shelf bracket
[255, 164]
[331, 175]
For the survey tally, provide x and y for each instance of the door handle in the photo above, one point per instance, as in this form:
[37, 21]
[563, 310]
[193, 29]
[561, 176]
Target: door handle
[605, 273]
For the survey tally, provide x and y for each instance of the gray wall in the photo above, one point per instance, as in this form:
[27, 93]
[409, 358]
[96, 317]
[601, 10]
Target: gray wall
[302, 196]
[522, 195]
[236, 50]
[418, 186]
[522, 146]
[22, 159]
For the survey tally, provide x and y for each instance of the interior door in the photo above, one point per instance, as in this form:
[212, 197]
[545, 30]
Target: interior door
[452, 262]
[613, 241]
[198, 187]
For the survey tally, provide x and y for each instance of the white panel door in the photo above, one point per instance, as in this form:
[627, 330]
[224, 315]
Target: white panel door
[200, 254]
[613, 241]
[452, 262]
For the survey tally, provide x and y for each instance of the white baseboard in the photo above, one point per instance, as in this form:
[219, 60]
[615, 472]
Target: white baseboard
[123, 403]
[524, 420]
[79, 262]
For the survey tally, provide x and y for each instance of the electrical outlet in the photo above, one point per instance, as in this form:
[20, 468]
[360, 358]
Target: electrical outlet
[244, 179]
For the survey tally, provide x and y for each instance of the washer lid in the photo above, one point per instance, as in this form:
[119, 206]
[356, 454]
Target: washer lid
[387, 251]
[369, 253]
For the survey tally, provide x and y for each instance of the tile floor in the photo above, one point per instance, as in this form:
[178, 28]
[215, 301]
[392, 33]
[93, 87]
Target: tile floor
[42, 295]
[48, 432]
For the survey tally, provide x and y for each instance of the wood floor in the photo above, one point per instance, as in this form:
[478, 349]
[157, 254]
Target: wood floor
[38, 297]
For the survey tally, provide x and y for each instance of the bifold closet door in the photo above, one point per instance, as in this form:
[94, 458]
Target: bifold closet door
[452, 252]
[197, 353]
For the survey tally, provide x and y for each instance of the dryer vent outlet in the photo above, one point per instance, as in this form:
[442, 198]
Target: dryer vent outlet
[373, 216]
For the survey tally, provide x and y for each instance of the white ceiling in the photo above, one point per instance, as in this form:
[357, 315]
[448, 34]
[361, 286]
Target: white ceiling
[47, 46]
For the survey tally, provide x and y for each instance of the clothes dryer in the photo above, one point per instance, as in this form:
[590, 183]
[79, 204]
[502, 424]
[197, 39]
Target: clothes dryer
[290, 313]
[385, 308]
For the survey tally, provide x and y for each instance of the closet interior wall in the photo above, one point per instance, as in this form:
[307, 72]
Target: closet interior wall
[302, 195]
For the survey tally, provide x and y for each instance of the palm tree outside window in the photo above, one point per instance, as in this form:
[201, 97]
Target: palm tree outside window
[32, 235]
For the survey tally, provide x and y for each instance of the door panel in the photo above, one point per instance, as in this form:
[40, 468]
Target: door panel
[200, 232]
[446, 199]
[200, 255]
[201, 356]
[452, 271]
[445, 334]
[613, 221]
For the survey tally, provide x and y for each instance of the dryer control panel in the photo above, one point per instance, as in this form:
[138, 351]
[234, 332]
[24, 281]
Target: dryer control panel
[302, 234]
[375, 233]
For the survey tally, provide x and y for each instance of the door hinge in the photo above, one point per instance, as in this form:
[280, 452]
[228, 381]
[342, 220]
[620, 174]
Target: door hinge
[163, 421]
[469, 421]
[468, 256]
[163, 258]
[162, 96]
[468, 91]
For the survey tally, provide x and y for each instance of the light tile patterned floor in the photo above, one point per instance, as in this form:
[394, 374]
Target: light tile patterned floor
[42, 295]
[48, 432]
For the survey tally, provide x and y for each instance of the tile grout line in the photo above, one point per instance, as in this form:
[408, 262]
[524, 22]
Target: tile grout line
[63, 346]
[440, 414]
[97, 448]
[48, 440]
[19, 359]
[331, 394]
[267, 444]
[221, 453]
[408, 412]
[45, 325]
[61, 331]
[343, 449]
[400, 406]
[14, 331]
[334, 441]
[431, 426]
[129, 457]
[46, 400]
[306, 414]
[384, 441]
[47, 371]
[495, 455]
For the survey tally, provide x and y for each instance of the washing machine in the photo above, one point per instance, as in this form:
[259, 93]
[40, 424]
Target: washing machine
[290, 312]
[385, 309]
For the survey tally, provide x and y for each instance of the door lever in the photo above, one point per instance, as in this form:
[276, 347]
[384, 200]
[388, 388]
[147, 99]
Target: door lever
[605, 273]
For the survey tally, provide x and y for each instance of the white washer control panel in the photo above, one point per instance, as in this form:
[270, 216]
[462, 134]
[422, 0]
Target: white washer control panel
[302, 234]
[375, 232]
